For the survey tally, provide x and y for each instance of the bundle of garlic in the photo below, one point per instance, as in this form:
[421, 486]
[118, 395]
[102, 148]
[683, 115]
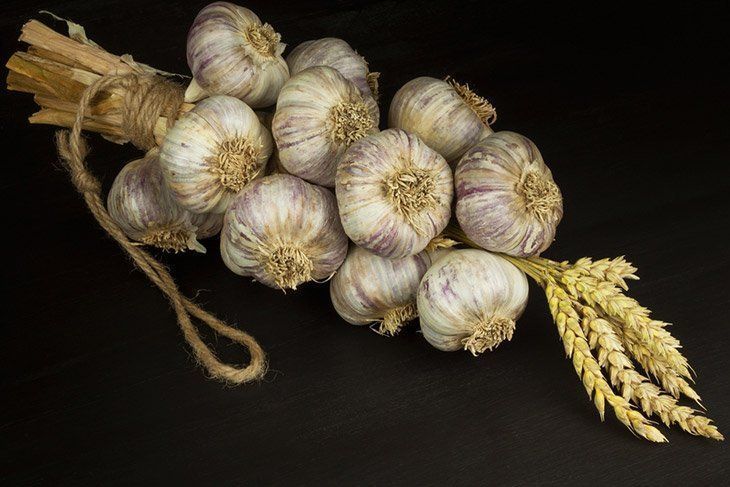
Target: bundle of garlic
[394, 191]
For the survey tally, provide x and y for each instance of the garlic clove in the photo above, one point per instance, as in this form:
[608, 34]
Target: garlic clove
[212, 152]
[319, 114]
[231, 52]
[283, 232]
[470, 299]
[337, 54]
[448, 116]
[507, 200]
[394, 193]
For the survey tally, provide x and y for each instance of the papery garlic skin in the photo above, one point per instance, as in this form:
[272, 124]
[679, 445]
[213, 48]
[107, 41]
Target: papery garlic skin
[230, 52]
[207, 224]
[368, 288]
[447, 116]
[319, 114]
[140, 203]
[470, 299]
[283, 232]
[506, 198]
[336, 54]
[394, 193]
[212, 152]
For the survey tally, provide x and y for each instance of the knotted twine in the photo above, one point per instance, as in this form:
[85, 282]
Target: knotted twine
[146, 98]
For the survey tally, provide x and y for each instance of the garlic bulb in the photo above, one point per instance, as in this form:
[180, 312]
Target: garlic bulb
[318, 115]
[212, 152]
[394, 193]
[336, 54]
[449, 117]
[230, 52]
[283, 231]
[140, 203]
[470, 299]
[506, 199]
[368, 288]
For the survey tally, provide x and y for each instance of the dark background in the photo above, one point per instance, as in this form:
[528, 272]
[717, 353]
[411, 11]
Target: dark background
[630, 110]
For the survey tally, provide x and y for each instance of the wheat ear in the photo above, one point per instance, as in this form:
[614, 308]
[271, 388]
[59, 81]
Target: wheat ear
[587, 367]
[635, 387]
[647, 340]
[597, 284]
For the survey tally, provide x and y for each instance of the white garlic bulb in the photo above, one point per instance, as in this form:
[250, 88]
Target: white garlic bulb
[336, 54]
[319, 114]
[283, 231]
[448, 116]
[140, 203]
[394, 193]
[230, 52]
[506, 199]
[368, 288]
[470, 299]
[212, 152]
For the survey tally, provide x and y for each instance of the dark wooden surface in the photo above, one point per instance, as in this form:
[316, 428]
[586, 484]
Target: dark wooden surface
[630, 110]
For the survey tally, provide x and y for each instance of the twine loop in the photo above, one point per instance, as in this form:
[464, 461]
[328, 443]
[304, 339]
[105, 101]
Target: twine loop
[146, 98]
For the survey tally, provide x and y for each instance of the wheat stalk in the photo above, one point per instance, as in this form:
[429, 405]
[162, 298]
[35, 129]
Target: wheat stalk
[635, 387]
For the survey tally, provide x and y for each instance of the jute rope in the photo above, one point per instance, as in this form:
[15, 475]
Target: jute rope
[147, 97]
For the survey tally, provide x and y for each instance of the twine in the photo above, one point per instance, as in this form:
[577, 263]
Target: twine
[146, 98]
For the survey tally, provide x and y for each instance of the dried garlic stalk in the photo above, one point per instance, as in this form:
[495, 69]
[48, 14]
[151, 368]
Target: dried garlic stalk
[57, 69]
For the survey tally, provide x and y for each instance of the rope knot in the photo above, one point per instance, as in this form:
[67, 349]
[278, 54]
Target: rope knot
[148, 97]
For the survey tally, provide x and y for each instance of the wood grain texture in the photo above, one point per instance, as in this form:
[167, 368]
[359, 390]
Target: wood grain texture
[629, 109]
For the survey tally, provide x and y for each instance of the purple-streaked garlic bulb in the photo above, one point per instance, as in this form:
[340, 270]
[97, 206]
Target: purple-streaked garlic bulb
[283, 232]
[230, 52]
[446, 115]
[470, 299]
[506, 199]
[319, 114]
[368, 288]
[212, 152]
[336, 54]
[140, 203]
[394, 193]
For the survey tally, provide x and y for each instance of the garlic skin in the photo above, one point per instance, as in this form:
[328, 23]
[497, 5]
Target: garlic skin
[230, 52]
[283, 232]
[212, 152]
[336, 54]
[140, 203]
[319, 114]
[506, 199]
[446, 115]
[368, 288]
[470, 299]
[394, 193]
